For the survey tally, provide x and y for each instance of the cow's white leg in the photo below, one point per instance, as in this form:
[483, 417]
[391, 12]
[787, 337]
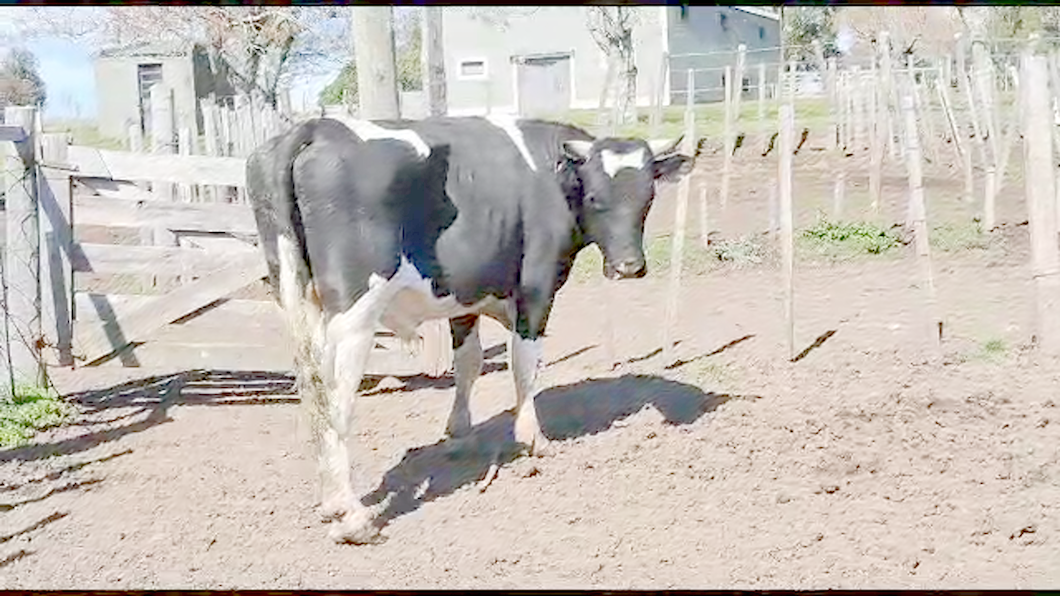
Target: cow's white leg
[467, 366]
[526, 360]
[304, 322]
[347, 346]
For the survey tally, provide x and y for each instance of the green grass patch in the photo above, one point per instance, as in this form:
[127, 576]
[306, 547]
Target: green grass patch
[86, 133]
[810, 113]
[840, 240]
[697, 260]
[31, 409]
[962, 237]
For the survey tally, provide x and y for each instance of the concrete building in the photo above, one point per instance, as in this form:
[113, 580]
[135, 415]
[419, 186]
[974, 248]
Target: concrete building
[544, 60]
[125, 75]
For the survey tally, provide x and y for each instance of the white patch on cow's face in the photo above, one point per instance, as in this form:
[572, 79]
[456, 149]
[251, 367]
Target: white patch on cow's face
[510, 125]
[369, 131]
[613, 162]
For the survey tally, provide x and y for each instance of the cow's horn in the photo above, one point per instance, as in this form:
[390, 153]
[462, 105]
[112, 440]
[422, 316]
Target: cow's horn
[663, 146]
[579, 149]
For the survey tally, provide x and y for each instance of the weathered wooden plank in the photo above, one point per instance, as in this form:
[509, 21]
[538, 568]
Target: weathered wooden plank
[159, 260]
[204, 217]
[12, 133]
[187, 169]
[139, 325]
[117, 189]
[88, 306]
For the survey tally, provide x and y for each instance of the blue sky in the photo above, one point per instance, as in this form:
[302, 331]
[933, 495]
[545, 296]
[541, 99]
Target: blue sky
[69, 76]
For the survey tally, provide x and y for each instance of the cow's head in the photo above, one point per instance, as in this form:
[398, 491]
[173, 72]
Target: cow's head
[618, 186]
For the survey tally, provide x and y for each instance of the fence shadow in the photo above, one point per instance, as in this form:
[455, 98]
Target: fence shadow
[584, 408]
[150, 398]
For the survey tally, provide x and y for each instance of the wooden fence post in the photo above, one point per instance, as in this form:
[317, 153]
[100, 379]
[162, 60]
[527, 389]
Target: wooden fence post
[162, 132]
[55, 193]
[660, 95]
[727, 138]
[677, 249]
[1041, 199]
[187, 191]
[22, 253]
[878, 105]
[761, 97]
[833, 101]
[737, 97]
[787, 248]
[210, 144]
[918, 214]
[888, 90]
[136, 145]
[963, 152]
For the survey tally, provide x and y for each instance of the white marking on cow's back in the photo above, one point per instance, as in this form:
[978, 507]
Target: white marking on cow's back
[613, 162]
[370, 131]
[509, 125]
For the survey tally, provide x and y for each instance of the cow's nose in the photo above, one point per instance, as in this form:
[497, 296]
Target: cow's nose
[631, 268]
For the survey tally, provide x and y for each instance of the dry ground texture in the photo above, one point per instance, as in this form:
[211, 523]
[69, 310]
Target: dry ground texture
[870, 462]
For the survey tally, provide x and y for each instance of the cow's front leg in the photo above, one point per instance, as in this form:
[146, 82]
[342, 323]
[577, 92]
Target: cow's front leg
[526, 362]
[467, 366]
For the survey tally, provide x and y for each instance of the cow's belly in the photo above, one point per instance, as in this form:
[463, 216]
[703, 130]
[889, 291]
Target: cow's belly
[414, 303]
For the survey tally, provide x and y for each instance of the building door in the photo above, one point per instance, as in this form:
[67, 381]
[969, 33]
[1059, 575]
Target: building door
[544, 84]
[147, 75]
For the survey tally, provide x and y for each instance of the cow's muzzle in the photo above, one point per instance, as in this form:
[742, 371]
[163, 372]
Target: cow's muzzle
[626, 269]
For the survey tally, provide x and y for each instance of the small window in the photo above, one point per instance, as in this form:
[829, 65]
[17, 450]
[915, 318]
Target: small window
[472, 69]
[761, 33]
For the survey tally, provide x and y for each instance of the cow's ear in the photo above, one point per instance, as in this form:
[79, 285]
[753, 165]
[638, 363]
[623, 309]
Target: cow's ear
[578, 150]
[673, 167]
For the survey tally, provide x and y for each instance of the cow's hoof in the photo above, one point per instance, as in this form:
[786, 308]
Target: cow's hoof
[331, 510]
[536, 445]
[356, 527]
[457, 429]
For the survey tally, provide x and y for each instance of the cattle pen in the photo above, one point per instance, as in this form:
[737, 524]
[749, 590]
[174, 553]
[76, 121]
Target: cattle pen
[840, 371]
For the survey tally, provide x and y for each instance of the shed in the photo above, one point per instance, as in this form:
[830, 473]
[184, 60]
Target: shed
[125, 75]
[544, 60]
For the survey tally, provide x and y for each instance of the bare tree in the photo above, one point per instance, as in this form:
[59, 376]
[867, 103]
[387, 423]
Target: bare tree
[20, 82]
[254, 47]
[920, 30]
[612, 29]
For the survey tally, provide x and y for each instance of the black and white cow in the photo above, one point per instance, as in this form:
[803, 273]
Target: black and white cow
[397, 223]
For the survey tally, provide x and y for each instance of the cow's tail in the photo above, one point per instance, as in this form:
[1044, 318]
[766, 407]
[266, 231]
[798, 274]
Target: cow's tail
[288, 214]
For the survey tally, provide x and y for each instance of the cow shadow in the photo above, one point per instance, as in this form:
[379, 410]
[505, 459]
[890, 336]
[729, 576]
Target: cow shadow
[565, 412]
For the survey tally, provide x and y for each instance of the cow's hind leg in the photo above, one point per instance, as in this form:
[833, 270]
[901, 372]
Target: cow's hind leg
[467, 366]
[347, 347]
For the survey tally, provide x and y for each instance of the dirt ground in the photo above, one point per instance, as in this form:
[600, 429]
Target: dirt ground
[873, 461]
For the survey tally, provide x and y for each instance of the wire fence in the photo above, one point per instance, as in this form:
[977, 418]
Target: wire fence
[17, 336]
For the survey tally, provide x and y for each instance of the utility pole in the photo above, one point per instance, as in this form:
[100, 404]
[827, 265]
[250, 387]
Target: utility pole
[373, 52]
[434, 61]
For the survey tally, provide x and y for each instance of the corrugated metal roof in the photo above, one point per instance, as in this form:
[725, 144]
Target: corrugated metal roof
[760, 12]
[148, 48]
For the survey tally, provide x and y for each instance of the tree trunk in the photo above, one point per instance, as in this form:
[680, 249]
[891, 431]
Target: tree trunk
[377, 88]
[628, 95]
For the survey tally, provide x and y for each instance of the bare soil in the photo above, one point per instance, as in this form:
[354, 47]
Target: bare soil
[873, 461]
